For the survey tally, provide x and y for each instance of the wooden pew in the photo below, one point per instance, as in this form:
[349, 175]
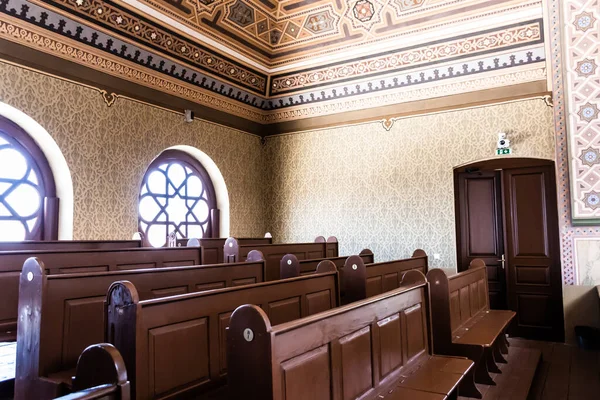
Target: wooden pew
[464, 325]
[69, 261]
[100, 374]
[377, 348]
[212, 249]
[273, 253]
[69, 312]
[369, 279]
[69, 245]
[176, 345]
[290, 266]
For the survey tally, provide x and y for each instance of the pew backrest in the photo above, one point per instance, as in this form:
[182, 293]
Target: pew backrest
[79, 261]
[176, 344]
[289, 263]
[69, 245]
[350, 352]
[72, 305]
[386, 276]
[212, 248]
[457, 298]
[274, 252]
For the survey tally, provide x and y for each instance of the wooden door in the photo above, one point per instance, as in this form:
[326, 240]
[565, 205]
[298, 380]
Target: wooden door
[534, 286]
[479, 228]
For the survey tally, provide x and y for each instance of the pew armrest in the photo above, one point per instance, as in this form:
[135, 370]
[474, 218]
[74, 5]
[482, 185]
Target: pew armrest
[96, 392]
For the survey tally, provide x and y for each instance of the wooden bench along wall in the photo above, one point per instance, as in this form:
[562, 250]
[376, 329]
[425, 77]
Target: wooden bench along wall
[290, 266]
[61, 262]
[70, 313]
[177, 344]
[69, 245]
[100, 374]
[369, 279]
[273, 253]
[464, 325]
[377, 348]
[212, 249]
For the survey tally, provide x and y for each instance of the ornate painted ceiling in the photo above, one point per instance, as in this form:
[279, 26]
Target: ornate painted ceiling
[274, 61]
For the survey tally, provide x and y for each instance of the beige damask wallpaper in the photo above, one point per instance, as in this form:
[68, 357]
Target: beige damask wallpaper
[108, 149]
[392, 191]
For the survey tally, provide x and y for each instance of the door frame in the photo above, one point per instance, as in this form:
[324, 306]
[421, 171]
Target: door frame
[502, 164]
[493, 164]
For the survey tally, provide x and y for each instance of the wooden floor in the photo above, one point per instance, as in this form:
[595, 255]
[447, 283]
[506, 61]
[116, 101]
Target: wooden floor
[564, 373]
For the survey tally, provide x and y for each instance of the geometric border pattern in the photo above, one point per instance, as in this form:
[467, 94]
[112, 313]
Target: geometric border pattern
[581, 28]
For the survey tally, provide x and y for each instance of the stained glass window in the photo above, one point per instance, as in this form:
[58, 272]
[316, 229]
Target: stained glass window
[21, 192]
[176, 196]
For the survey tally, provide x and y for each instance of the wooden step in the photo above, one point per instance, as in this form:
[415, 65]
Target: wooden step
[516, 378]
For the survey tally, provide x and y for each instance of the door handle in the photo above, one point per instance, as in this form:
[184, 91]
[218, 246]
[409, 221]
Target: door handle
[502, 260]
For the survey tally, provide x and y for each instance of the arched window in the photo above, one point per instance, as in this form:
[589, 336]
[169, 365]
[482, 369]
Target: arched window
[28, 203]
[178, 196]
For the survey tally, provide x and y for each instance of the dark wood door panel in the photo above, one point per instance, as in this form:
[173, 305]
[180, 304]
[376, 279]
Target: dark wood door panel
[479, 228]
[534, 286]
[528, 213]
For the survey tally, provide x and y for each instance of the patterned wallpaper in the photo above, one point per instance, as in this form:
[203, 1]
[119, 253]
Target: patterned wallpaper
[108, 149]
[392, 191]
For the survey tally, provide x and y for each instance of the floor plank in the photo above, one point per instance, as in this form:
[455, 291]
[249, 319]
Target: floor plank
[556, 386]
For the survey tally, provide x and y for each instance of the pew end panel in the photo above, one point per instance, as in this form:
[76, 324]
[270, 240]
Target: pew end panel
[31, 284]
[100, 374]
[249, 334]
[231, 250]
[122, 308]
[354, 280]
[289, 267]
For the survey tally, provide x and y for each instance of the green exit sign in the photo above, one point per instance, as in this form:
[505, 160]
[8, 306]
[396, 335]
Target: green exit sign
[503, 152]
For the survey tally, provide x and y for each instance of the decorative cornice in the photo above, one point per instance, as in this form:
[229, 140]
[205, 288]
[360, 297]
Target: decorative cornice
[31, 36]
[513, 62]
[120, 21]
[535, 72]
[446, 50]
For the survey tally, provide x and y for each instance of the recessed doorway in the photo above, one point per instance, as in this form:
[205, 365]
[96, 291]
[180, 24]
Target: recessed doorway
[506, 214]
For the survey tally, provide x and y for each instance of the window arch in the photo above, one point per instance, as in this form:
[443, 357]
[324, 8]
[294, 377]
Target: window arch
[28, 203]
[177, 195]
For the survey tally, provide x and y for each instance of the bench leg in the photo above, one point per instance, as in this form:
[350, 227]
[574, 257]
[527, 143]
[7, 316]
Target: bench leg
[467, 387]
[498, 357]
[489, 360]
[503, 344]
[505, 339]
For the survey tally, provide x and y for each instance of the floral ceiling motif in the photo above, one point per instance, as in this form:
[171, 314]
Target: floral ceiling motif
[282, 33]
